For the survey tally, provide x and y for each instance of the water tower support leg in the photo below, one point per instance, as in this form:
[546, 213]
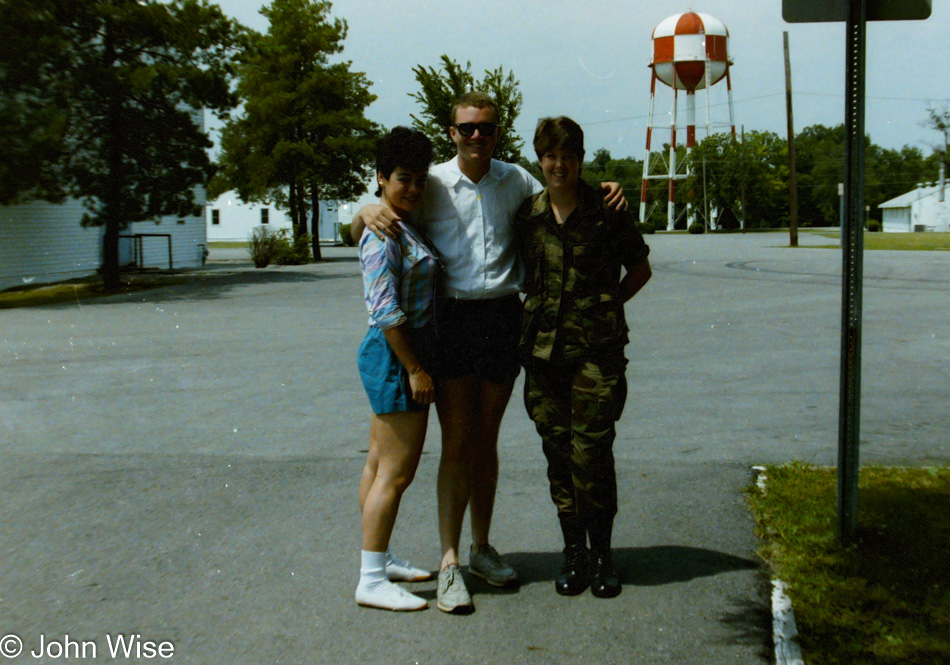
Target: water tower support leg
[732, 115]
[690, 143]
[707, 88]
[670, 206]
[646, 157]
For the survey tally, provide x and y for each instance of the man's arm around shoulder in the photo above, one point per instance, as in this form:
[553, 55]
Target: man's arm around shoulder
[378, 218]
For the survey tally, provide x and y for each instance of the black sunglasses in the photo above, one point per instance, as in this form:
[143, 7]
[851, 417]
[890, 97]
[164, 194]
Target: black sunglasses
[486, 129]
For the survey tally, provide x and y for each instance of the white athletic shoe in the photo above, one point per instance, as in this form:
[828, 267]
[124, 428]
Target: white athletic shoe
[400, 570]
[388, 596]
[452, 596]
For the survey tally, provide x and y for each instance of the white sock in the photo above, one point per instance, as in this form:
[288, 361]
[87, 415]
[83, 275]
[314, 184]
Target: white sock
[372, 568]
[375, 589]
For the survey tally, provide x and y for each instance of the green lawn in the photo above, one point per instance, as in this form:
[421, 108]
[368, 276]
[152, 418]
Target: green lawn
[903, 241]
[227, 245]
[882, 601]
[82, 289]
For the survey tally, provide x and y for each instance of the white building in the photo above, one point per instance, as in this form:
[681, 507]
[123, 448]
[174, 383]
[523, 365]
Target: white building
[229, 219]
[923, 209]
[44, 242]
[347, 210]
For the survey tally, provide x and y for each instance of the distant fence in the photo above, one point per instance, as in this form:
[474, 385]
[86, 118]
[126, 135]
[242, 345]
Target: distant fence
[138, 250]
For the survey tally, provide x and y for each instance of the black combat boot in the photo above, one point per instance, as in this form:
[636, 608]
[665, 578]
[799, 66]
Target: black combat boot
[604, 581]
[575, 575]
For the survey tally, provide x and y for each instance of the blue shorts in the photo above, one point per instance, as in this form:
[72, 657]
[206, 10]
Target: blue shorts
[384, 378]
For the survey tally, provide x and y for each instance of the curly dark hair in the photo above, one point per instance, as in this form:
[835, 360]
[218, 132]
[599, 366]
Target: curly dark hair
[408, 148]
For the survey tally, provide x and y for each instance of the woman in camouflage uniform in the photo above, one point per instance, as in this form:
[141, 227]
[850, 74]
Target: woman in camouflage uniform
[573, 334]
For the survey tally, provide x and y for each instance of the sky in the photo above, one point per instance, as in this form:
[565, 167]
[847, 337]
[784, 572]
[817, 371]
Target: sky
[589, 60]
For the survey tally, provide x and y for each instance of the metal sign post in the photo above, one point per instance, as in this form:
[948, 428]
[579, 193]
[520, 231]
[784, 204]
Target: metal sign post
[855, 13]
[852, 245]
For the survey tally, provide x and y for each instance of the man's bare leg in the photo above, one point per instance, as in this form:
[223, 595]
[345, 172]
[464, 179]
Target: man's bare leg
[490, 408]
[454, 403]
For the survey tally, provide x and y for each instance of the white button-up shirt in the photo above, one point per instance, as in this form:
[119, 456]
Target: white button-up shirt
[472, 227]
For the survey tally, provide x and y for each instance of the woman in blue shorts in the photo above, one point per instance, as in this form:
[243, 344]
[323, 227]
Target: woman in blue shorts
[399, 287]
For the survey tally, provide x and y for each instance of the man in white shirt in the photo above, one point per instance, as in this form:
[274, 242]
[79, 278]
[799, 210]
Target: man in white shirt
[467, 214]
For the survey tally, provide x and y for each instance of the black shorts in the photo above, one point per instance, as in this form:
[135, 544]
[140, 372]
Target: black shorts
[478, 338]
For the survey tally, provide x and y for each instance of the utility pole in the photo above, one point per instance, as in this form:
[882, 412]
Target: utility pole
[792, 178]
[706, 200]
[743, 179]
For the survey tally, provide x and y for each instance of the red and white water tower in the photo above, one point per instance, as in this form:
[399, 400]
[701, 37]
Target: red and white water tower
[690, 52]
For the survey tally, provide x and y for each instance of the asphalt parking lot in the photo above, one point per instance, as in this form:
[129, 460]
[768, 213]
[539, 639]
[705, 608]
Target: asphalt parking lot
[181, 464]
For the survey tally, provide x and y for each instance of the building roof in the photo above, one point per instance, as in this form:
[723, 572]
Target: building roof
[914, 195]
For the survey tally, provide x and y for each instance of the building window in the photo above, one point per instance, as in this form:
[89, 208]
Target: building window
[265, 215]
[215, 217]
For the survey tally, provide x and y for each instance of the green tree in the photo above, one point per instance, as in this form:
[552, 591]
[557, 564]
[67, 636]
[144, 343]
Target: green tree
[303, 135]
[888, 173]
[819, 152]
[109, 98]
[748, 177]
[891, 173]
[441, 87]
[34, 104]
[601, 159]
[533, 168]
[939, 120]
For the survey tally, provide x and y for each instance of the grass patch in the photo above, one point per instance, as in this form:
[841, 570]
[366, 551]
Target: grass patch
[884, 600]
[921, 242]
[228, 245]
[76, 290]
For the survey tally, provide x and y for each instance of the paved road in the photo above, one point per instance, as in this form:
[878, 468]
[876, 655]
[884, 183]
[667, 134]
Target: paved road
[182, 463]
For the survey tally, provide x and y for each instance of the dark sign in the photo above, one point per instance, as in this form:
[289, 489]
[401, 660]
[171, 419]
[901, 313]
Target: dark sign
[824, 11]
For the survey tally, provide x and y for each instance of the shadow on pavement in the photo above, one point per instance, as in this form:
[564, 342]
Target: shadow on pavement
[637, 566]
[751, 624]
[207, 284]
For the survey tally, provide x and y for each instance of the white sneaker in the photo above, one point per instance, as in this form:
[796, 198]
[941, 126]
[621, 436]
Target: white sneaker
[453, 597]
[388, 596]
[400, 570]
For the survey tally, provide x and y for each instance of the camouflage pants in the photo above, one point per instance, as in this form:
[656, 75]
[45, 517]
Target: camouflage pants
[575, 408]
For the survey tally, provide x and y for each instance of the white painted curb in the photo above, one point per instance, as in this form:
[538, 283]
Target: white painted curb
[784, 630]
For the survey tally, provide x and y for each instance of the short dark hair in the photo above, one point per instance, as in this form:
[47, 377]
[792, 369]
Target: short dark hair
[560, 132]
[408, 148]
[476, 99]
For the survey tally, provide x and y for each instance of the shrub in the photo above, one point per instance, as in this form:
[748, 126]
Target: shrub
[345, 235]
[295, 254]
[697, 227]
[874, 226]
[646, 228]
[262, 246]
[268, 246]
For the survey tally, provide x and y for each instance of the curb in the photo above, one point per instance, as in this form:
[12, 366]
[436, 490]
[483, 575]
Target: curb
[784, 629]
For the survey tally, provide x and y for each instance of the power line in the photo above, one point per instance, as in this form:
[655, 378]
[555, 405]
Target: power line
[641, 117]
[591, 123]
[893, 99]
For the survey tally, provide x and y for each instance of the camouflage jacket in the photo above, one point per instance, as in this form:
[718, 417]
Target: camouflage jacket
[572, 307]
